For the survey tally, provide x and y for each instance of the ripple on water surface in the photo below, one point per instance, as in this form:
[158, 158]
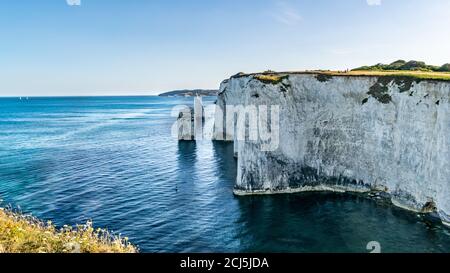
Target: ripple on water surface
[113, 160]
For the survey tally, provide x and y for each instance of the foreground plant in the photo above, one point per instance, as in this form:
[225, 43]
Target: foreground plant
[25, 234]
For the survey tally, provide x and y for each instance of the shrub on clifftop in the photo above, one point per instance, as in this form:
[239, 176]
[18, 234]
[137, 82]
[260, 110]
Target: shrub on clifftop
[445, 68]
[405, 66]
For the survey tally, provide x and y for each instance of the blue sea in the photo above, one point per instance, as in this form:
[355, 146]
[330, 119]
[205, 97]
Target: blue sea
[113, 160]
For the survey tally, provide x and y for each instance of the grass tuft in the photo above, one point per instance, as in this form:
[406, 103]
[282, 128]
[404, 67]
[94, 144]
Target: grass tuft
[25, 234]
[270, 78]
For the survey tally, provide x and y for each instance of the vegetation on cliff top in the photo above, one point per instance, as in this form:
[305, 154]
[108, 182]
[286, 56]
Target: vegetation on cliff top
[326, 75]
[25, 234]
[270, 78]
[418, 75]
[402, 65]
[413, 70]
[413, 75]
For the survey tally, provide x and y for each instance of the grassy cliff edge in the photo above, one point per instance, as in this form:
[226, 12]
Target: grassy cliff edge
[25, 234]
[274, 77]
[413, 70]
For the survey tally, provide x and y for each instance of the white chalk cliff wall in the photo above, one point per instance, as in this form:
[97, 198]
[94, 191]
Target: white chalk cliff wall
[348, 133]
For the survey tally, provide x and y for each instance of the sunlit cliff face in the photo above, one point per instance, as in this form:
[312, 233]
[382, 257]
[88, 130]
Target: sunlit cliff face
[345, 133]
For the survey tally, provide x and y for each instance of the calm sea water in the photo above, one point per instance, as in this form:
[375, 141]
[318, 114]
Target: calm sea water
[112, 159]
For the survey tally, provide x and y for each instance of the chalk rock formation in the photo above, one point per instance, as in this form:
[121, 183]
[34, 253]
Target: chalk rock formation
[191, 121]
[347, 133]
[185, 124]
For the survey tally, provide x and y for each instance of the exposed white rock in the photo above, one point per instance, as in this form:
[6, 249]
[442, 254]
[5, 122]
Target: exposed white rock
[191, 121]
[185, 124]
[348, 133]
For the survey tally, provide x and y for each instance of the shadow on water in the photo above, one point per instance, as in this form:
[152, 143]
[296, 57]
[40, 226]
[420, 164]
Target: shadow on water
[226, 164]
[187, 154]
[318, 222]
[186, 159]
[205, 178]
[333, 222]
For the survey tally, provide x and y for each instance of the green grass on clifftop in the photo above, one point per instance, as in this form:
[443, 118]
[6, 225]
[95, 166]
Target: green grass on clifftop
[325, 75]
[421, 75]
[270, 78]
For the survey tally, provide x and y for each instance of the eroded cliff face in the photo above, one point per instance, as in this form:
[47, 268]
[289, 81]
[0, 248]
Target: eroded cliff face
[348, 133]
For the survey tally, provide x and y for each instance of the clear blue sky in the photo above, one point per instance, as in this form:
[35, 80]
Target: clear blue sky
[120, 47]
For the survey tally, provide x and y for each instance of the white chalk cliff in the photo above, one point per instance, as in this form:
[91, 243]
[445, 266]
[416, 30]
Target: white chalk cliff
[388, 134]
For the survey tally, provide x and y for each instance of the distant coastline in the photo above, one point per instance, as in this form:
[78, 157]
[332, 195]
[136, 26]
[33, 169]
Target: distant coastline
[190, 93]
